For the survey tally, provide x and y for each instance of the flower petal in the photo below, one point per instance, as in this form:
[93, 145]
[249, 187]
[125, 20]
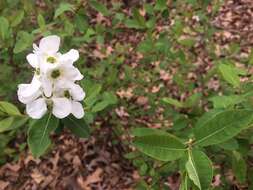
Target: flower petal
[50, 44]
[72, 73]
[77, 92]
[77, 109]
[61, 107]
[47, 86]
[32, 60]
[37, 108]
[29, 92]
[71, 56]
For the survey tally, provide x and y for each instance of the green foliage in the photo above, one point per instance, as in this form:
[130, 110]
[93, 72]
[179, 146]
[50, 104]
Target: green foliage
[9, 109]
[239, 167]
[226, 101]
[99, 7]
[218, 126]
[4, 28]
[63, 7]
[24, 40]
[199, 169]
[77, 126]
[38, 134]
[164, 147]
[12, 123]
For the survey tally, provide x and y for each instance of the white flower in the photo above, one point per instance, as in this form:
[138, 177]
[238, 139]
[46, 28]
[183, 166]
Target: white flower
[60, 107]
[46, 56]
[53, 86]
[62, 103]
[74, 93]
[58, 76]
[29, 92]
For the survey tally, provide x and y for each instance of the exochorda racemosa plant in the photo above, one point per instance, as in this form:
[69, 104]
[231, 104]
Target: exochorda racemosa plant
[213, 128]
[53, 86]
[52, 98]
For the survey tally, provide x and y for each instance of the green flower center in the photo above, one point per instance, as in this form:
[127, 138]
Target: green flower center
[51, 60]
[55, 74]
[67, 94]
[37, 71]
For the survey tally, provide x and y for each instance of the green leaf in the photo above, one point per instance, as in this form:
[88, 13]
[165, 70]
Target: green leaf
[4, 27]
[251, 57]
[161, 5]
[192, 100]
[99, 7]
[173, 102]
[138, 21]
[18, 18]
[184, 185]
[144, 131]
[239, 167]
[146, 46]
[139, 18]
[110, 97]
[77, 126]
[100, 106]
[226, 101]
[24, 40]
[219, 126]
[38, 134]
[199, 169]
[69, 28]
[130, 23]
[188, 42]
[41, 21]
[63, 8]
[9, 108]
[92, 92]
[6, 123]
[12, 123]
[161, 147]
[151, 22]
[230, 144]
[230, 74]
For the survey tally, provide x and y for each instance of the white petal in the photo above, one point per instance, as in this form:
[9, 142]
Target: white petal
[36, 81]
[77, 92]
[50, 44]
[29, 92]
[61, 107]
[37, 108]
[72, 73]
[32, 60]
[77, 109]
[71, 56]
[47, 86]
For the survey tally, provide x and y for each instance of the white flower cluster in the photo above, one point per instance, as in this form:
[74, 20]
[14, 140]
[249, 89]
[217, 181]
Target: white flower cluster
[53, 86]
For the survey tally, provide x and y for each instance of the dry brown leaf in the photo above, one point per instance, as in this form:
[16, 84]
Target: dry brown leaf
[165, 75]
[55, 160]
[37, 176]
[76, 161]
[155, 89]
[121, 112]
[128, 94]
[142, 100]
[14, 167]
[93, 178]
[217, 181]
[3, 184]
